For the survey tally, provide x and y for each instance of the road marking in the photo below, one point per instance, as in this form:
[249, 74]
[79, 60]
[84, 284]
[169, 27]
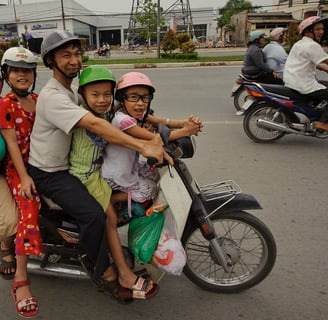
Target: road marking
[222, 122]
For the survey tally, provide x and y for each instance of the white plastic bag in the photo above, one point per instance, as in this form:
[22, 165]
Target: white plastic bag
[169, 255]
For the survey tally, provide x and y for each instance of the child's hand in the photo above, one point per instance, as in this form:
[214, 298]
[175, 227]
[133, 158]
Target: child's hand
[193, 124]
[27, 188]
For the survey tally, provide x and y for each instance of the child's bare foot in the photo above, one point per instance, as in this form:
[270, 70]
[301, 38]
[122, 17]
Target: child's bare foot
[7, 261]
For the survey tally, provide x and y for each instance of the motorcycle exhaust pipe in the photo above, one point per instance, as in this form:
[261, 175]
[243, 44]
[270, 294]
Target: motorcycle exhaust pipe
[57, 270]
[276, 126]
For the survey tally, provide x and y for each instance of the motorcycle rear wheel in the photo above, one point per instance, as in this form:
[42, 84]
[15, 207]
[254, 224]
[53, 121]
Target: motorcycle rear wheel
[248, 242]
[258, 133]
[239, 98]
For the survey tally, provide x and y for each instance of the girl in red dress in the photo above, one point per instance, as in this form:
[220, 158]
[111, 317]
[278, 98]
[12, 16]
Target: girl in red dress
[17, 115]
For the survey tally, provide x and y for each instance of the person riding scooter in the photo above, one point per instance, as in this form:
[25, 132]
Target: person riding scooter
[305, 57]
[254, 67]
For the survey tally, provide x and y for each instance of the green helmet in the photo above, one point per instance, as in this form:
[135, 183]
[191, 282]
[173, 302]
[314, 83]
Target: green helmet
[3, 148]
[255, 35]
[95, 73]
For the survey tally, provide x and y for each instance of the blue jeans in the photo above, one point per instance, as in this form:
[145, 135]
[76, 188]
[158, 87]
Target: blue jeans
[70, 194]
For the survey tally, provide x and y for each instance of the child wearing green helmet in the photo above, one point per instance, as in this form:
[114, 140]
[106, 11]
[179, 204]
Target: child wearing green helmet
[96, 86]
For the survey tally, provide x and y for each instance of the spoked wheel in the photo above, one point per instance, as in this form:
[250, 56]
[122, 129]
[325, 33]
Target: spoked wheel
[247, 242]
[240, 98]
[258, 132]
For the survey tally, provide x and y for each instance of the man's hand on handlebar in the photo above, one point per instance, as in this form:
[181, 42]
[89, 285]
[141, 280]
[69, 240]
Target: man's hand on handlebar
[154, 149]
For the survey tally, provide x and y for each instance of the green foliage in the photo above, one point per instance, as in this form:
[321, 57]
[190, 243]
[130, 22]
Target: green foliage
[183, 37]
[147, 18]
[14, 42]
[85, 58]
[170, 41]
[3, 47]
[292, 35]
[188, 47]
[180, 56]
[231, 8]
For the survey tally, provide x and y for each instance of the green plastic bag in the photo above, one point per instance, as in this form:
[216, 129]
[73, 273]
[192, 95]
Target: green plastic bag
[143, 235]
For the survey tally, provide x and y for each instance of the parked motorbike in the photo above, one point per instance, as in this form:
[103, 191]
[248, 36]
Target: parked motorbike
[272, 111]
[228, 250]
[238, 92]
[102, 53]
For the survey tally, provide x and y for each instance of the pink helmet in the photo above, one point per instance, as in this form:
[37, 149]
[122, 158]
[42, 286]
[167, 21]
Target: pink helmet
[310, 22]
[133, 79]
[277, 33]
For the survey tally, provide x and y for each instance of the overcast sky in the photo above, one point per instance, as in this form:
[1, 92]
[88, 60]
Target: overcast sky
[124, 6]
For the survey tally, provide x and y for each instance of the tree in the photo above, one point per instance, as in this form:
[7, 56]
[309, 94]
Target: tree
[147, 18]
[170, 41]
[232, 7]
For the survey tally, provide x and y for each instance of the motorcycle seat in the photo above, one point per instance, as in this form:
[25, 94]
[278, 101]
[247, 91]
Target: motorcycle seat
[51, 205]
[285, 91]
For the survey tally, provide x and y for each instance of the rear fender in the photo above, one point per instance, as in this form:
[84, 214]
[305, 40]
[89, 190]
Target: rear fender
[236, 88]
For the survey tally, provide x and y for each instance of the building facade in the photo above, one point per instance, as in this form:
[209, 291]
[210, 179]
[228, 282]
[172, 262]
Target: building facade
[35, 20]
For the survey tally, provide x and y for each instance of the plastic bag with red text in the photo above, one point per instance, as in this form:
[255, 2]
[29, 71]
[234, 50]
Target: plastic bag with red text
[169, 256]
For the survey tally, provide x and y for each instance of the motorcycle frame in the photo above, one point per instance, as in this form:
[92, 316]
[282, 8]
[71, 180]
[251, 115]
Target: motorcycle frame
[286, 103]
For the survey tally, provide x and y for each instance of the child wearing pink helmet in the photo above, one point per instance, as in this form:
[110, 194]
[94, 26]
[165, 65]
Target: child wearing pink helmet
[121, 167]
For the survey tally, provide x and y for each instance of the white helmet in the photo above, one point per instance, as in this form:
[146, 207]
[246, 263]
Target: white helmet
[277, 33]
[18, 57]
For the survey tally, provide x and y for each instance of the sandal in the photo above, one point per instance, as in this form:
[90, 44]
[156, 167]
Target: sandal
[5, 265]
[22, 304]
[138, 290]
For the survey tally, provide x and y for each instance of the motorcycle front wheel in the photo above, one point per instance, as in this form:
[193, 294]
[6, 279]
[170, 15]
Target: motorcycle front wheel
[247, 242]
[259, 133]
[239, 98]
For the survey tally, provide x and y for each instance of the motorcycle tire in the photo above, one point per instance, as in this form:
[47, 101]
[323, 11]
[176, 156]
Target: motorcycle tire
[96, 55]
[258, 133]
[245, 239]
[239, 98]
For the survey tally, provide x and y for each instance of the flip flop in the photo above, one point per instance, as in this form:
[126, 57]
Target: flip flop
[5, 265]
[22, 304]
[138, 290]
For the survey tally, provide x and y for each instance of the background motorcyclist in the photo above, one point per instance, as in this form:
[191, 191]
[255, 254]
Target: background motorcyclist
[274, 53]
[305, 57]
[254, 66]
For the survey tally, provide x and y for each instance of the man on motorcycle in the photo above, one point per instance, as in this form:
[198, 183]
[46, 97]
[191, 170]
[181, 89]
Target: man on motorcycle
[58, 113]
[274, 53]
[305, 57]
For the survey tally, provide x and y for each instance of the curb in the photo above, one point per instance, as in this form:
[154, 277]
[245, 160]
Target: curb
[163, 65]
[172, 65]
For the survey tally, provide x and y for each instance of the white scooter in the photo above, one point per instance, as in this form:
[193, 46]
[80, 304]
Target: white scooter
[228, 250]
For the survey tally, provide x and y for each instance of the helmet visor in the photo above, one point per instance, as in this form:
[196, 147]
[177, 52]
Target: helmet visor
[20, 64]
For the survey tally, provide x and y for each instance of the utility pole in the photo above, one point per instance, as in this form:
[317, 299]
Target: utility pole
[63, 14]
[16, 22]
[158, 28]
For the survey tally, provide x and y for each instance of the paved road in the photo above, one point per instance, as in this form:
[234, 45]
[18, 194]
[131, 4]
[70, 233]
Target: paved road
[289, 178]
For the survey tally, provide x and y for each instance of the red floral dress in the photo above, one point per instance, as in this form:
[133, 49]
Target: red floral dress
[13, 116]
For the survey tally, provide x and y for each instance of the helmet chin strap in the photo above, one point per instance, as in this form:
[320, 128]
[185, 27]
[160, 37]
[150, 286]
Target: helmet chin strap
[21, 93]
[54, 65]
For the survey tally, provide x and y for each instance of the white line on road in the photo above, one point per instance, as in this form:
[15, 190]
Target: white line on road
[222, 122]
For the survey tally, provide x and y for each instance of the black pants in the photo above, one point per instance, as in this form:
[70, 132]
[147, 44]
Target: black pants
[70, 194]
[318, 96]
[264, 77]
